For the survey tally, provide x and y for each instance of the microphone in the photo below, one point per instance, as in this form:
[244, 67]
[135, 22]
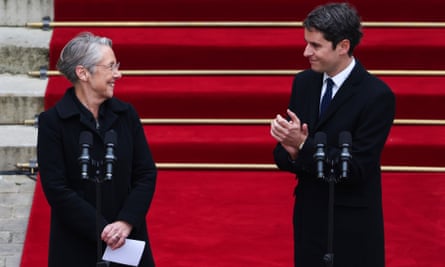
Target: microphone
[345, 142]
[110, 143]
[85, 142]
[320, 155]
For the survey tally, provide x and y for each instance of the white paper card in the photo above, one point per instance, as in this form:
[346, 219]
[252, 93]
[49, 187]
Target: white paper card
[130, 253]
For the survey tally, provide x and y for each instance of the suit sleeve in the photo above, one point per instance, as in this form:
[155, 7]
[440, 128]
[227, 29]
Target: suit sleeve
[304, 164]
[370, 135]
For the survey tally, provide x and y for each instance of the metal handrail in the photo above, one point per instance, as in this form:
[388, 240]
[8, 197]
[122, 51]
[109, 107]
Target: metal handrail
[42, 73]
[222, 121]
[251, 166]
[46, 24]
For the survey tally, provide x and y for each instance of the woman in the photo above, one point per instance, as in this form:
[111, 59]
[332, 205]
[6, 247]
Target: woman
[89, 63]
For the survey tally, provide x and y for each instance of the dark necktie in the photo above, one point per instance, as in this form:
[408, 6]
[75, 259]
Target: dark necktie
[327, 96]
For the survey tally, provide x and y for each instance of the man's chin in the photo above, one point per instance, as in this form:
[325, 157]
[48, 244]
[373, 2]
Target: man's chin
[316, 69]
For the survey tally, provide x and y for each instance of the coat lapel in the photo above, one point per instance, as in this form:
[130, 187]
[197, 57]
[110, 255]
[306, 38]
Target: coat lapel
[346, 91]
[68, 108]
[314, 97]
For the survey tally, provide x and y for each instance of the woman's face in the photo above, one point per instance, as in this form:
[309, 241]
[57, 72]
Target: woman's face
[106, 72]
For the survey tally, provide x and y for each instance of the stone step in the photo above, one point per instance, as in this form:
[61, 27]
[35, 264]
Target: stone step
[17, 145]
[16, 195]
[18, 12]
[23, 50]
[21, 98]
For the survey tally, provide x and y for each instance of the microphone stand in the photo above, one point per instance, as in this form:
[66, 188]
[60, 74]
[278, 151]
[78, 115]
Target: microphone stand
[86, 140]
[345, 142]
[328, 258]
[98, 179]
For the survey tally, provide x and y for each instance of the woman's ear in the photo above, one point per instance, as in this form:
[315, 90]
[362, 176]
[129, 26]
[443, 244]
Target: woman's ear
[82, 73]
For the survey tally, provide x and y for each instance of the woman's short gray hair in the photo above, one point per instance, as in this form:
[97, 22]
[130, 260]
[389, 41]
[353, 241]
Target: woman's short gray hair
[84, 49]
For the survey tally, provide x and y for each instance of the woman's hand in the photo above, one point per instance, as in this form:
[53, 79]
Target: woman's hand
[114, 234]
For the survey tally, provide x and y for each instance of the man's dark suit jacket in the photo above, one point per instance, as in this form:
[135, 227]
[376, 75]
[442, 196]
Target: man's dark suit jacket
[365, 107]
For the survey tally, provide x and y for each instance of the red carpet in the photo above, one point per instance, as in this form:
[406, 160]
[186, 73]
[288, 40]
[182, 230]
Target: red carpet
[237, 10]
[211, 218]
[414, 208]
[255, 48]
[239, 219]
[207, 96]
[252, 144]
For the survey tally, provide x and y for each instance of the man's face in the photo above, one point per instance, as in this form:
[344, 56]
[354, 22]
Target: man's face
[322, 56]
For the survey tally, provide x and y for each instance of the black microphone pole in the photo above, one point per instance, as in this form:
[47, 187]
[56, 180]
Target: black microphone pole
[100, 262]
[320, 157]
[345, 142]
[329, 256]
[85, 142]
[110, 141]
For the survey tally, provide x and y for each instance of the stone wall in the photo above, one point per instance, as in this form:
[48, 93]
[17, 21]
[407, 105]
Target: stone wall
[19, 12]
[21, 97]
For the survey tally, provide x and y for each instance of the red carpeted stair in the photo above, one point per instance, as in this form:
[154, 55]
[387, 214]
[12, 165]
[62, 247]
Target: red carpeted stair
[210, 96]
[255, 48]
[209, 216]
[237, 10]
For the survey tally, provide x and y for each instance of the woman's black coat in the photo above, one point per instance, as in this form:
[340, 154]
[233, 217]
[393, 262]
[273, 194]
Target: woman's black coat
[127, 196]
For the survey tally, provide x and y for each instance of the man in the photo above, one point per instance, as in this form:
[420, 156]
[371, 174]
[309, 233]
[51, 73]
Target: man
[360, 104]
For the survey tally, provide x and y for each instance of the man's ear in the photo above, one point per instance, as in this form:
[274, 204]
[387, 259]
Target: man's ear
[344, 46]
[82, 73]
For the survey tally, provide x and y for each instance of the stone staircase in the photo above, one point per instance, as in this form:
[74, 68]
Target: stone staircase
[21, 98]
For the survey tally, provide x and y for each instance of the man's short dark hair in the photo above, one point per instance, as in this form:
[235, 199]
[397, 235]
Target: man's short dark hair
[337, 21]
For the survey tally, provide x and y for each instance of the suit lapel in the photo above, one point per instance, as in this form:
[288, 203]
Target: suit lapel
[314, 110]
[346, 91]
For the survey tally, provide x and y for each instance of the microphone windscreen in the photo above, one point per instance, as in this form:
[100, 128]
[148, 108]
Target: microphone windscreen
[111, 137]
[320, 138]
[345, 138]
[86, 137]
